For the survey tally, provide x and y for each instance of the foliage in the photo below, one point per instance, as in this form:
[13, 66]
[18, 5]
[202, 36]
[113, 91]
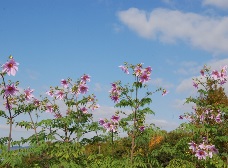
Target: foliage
[178, 163]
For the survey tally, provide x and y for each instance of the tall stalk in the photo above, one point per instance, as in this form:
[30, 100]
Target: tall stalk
[10, 117]
[135, 123]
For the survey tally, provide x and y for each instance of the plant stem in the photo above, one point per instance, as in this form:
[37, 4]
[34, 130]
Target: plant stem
[65, 130]
[10, 133]
[112, 137]
[34, 127]
[134, 120]
[112, 144]
[10, 115]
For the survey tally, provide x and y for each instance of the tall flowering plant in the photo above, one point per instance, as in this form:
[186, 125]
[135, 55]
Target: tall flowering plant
[131, 96]
[71, 108]
[208, 121]
[15, 100]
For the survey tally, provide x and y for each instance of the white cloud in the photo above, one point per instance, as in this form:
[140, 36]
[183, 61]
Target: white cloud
[159, 82]
[182, 106]
[218, 3]
[188, 68]
[164, 124]
[186, 85]
[207, 33]
[217, 64]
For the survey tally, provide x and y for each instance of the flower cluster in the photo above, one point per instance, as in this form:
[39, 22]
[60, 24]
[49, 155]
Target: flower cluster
[79, 88]
[142, 73]
[220, 76]
[124, 68]
[110, 125]
[215, 75]
[206, 116]
[203, 150]
[71, 91]
[115, 92]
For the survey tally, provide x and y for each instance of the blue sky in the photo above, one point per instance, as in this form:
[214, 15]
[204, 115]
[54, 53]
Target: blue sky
[56, 39]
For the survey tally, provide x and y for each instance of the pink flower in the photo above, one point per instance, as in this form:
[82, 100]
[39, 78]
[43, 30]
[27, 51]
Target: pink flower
[148, 70]
[114, 89]
[222, 82]
[115, 118]
[224, 70]
[85, 78]
[58, 115]
[115, 98]
[195, 85]
[28, 94]
[49, 108]
[218, 118]
[215, 75]
[113, 128]
[50, 93]
[10, 90]
[211, 117]
[202, 146]
[181, 117]
[201, 154]
[113, 85]
[192, 146]
[138, 71]
[10, 67]
[83, 89]
[124, 69]
[115, 93]
[96, 106]
[101, 121]
[60, 95]
[107, 126]
[202, 72]
[144, 77]
[8, 106]
[64, 83]
[202, 117]
[223, 76]
[212, 150]
[164, 92]
[36, 102]
[141, 128]
[84, 110]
